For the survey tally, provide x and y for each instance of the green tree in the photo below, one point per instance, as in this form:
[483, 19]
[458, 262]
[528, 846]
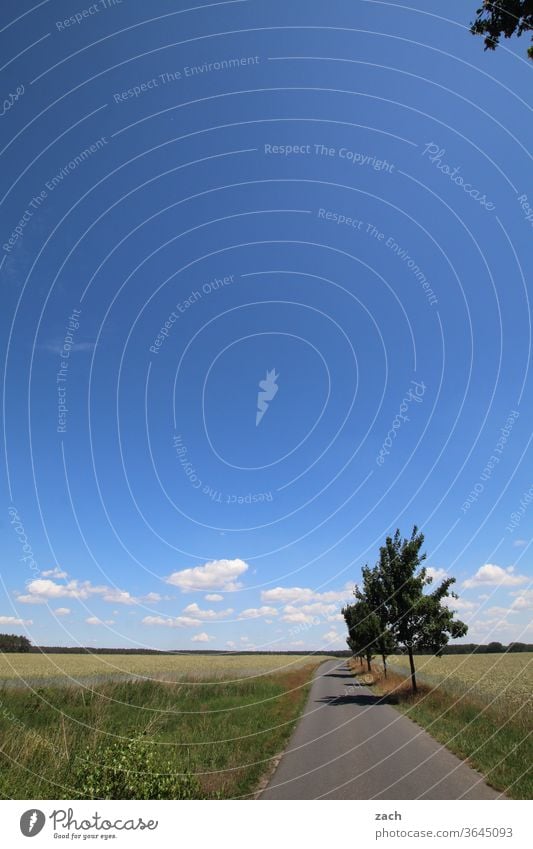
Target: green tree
[363, 629]
[14, 643]
[504, 18]
[495, 648]
[517, 647]
[417, 619]
[384, 641]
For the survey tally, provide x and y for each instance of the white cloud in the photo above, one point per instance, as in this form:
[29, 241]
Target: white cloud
[215, 575]
[495, 629]
[461, 604]
[310, 613]
[13, 620]
[257, 612]
[330, 637]
[194, 610]
[231, 644]
[201, 638]
[300, 595]
[495, 575]
[294, 614]
[54, 573]
[520, 543]
[62, 611]
[297, 644]
[116, 596]
[213, 597]
[436, 574]
[172, 621]
[523, 600]
[94, 620]
[40, 591]
[336, 617]
[500, 611]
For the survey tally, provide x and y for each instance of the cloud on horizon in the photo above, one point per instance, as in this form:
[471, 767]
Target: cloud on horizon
[214, 575]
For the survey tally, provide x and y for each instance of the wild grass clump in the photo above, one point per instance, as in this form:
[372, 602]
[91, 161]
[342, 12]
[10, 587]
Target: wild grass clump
[147, 739]
[130, 769]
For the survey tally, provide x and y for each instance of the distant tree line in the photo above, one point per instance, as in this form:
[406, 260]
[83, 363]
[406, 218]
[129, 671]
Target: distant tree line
[491, 648]
[92, 650]
[11, 642]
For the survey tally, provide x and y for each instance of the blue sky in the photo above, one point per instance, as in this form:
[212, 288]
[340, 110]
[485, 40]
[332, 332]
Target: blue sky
[315, 212]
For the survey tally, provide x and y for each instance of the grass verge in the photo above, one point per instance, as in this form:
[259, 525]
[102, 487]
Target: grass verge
[494, 740]
[59, 742]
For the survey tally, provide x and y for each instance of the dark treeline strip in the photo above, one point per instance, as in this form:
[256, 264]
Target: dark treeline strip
[474, 648]
[461, 648]
[91, 650]
[12, 642]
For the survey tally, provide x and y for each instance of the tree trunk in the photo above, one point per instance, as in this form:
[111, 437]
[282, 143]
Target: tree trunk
[384, 659]
[413, 674]
[369, 662]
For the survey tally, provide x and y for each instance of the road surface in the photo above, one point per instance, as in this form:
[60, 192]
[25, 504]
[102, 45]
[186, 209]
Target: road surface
[348, 745]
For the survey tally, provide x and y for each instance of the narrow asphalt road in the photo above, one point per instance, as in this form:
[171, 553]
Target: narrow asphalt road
[347, 745]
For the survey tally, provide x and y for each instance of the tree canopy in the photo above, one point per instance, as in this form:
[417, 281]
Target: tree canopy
[503, 19]
[12, 642]
[395, 606]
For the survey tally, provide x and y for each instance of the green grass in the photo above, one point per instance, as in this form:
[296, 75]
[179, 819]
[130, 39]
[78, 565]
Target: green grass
[494, 738]
[225, 733]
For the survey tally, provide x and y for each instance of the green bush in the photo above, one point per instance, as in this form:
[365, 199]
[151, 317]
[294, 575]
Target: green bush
[130, 770]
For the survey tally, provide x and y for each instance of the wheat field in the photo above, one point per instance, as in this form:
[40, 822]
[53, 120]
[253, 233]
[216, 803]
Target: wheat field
[493, 678]
[71, 668]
